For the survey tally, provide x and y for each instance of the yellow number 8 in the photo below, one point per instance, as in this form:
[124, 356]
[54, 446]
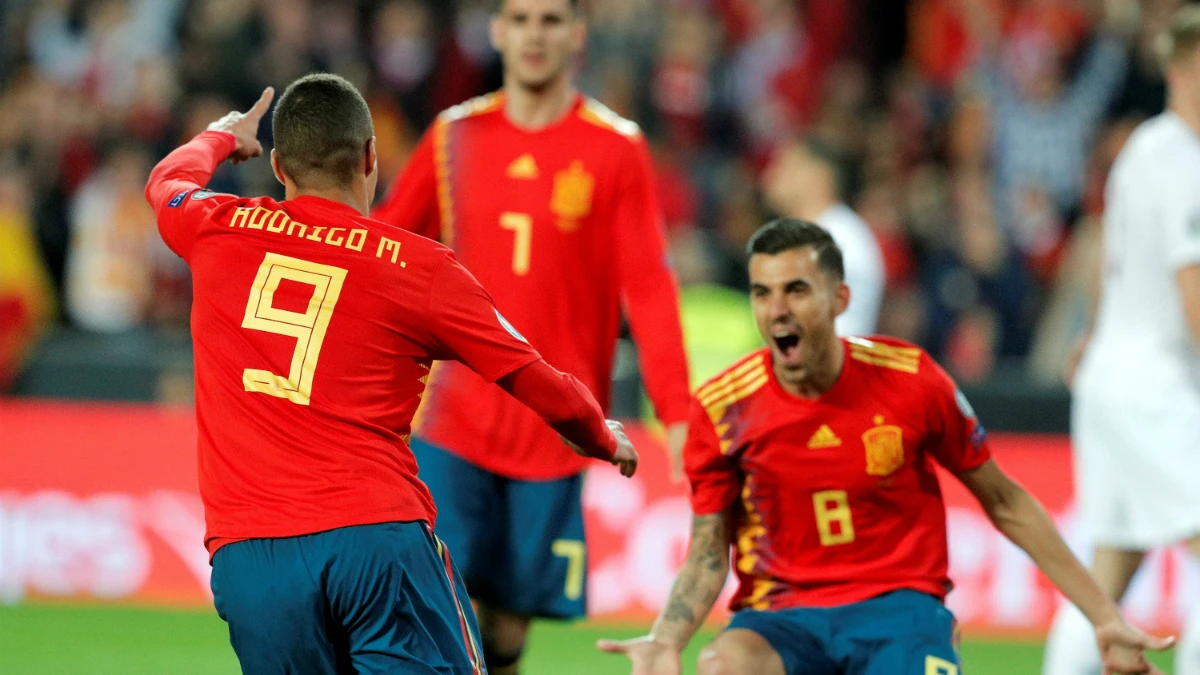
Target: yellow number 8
[308, 327]
[832, 507]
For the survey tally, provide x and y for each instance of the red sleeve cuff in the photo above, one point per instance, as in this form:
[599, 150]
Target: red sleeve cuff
[229, 139]
[711, 499]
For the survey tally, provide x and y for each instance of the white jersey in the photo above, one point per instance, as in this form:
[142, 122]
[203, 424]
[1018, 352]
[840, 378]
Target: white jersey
[1141, 343]
[863, 263]
[1136, 414]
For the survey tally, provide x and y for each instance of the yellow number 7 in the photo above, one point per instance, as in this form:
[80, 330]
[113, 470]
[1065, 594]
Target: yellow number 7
[308, 327]
[575, 553]
[522, 226]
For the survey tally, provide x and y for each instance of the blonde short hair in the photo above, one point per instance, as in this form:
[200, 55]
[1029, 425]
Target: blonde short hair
[1181, 38]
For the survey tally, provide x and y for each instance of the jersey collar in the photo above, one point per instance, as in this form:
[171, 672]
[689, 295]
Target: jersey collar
[571, 113]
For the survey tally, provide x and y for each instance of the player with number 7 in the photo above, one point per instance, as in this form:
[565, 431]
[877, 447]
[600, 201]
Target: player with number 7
[314, 329]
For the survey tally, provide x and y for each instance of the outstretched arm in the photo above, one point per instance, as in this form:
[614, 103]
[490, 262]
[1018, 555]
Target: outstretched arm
[696, 589]
[465, 325]
[570, 409]
[1022, 519]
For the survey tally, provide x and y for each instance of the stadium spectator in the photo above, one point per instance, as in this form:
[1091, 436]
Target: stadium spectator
[110, 264]
[714, 84]
[26, 296]
[1043, 119]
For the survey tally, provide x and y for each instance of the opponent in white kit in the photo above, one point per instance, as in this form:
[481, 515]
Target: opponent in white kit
[1136, 418]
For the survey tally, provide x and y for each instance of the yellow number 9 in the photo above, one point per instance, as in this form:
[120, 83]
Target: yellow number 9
[308, 327]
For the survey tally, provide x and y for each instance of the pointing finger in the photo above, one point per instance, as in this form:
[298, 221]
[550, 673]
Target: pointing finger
[262, 104]
[611, 646]
[1159, 644]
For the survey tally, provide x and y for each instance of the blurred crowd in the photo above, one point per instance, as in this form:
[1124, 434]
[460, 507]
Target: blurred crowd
[972, 136]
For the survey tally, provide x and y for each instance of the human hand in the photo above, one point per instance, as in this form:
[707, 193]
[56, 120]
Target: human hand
[649, 656]
[625, 457]
[244, 127]
[1123, 648]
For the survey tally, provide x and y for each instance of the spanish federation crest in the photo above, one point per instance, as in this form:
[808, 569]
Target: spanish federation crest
[884, 444]
[572, 197]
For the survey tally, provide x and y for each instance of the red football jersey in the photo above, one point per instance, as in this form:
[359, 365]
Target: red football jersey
[837, 498]
[561, 225]
[314, 331]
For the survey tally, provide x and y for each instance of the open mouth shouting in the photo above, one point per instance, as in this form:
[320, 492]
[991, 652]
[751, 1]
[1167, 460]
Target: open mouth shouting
[787, 345]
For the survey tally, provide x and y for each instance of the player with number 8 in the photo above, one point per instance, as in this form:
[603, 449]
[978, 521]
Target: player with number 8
[814, 460]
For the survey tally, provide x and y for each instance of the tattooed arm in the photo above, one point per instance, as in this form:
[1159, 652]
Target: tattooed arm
[699, 581]
[692, 597]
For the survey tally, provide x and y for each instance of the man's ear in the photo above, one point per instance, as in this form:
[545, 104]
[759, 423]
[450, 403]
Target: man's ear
[841, 299]
[372, 158]
[579, 33]
[275, 167]
[496, 32]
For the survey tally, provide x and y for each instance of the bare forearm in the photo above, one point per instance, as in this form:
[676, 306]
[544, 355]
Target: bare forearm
[698, 584]
[1023, 520]
[692, 598]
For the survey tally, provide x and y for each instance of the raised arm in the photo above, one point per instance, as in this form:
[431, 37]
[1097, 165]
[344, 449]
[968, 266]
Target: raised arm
[190, 166]
[1022, 519]
[693, 595]
[651, 297]
[1099, 78]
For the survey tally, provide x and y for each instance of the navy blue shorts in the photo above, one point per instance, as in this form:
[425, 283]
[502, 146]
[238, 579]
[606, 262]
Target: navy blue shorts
[899, 633]
[518, 543]
[368, 599]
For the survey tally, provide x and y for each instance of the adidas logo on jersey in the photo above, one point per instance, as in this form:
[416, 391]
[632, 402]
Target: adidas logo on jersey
[524, 168]
[824, 438]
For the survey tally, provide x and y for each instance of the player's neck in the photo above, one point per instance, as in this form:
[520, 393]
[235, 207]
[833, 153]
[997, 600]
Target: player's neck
[814, 381]
[1189, 114]
[348, 196]
[534, 109]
